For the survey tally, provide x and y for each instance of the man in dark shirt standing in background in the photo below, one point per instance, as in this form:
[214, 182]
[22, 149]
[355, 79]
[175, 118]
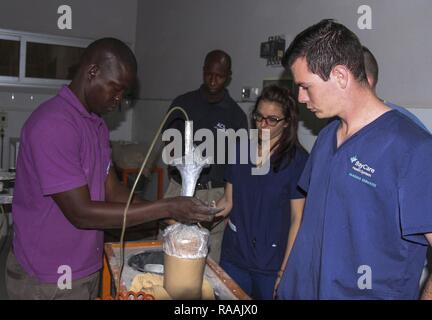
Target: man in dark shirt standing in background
[209, 107]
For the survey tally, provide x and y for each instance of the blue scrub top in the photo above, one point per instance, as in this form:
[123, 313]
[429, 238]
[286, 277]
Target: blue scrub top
[368, 206]
[409, 114]
[257, 231]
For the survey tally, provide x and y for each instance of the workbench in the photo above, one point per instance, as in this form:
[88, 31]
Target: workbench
[225, 288]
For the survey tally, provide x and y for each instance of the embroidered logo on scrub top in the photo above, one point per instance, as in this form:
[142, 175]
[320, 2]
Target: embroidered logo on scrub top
[363, 172]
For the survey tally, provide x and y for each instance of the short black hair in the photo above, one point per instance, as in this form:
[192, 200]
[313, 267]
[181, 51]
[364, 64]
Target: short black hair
[97, 51]
[371, 65]
[326, 45]
[218, 56]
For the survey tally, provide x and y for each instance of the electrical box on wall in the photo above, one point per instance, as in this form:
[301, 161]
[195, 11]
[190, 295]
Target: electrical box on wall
[273, 50]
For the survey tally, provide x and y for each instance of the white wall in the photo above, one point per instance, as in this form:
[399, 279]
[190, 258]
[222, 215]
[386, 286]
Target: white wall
[19, 106]
[90, 18]
[174, 36]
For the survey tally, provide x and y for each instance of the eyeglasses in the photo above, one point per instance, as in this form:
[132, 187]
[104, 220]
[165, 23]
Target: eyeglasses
[271, 121]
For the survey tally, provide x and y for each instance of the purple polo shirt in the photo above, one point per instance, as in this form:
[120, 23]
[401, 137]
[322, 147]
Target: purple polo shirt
[62, 147]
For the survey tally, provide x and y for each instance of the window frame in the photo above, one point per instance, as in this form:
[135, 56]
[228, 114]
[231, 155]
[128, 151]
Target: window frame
[13, 38]
[23, 38]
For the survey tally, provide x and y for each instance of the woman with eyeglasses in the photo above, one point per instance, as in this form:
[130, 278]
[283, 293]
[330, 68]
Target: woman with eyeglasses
[264, 210]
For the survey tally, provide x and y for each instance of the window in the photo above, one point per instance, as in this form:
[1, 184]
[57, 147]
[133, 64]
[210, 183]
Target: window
[29, 59]
[9, 53]
[51, 61]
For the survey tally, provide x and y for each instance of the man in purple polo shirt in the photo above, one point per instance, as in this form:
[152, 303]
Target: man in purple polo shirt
[66, 190]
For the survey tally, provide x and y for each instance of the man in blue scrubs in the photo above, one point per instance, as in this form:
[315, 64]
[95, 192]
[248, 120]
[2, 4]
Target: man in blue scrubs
[368, 213]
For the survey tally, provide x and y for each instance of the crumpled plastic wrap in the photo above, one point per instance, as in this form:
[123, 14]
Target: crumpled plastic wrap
[186, 241]
[190, 168]
[191, 164]
[190, 174]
